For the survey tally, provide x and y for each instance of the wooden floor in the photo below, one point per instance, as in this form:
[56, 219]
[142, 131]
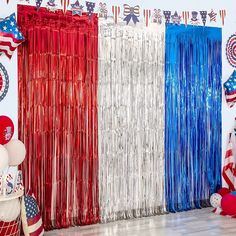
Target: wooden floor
[195, 223]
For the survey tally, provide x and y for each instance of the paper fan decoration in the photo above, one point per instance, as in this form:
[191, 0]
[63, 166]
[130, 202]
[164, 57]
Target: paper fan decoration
[231, 50]
[6, 129]
[4, 82]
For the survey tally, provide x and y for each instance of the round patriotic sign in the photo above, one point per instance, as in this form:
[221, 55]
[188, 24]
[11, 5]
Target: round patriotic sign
[4, 82]
[231, 50]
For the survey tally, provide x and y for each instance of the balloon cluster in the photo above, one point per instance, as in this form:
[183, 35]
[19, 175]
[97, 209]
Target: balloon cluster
[224, 202]
[12, 154]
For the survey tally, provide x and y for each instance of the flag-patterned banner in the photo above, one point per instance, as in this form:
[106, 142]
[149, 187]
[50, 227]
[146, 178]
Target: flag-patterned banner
[116, 13]
[222, 16]
[229, 169]
[147, 14]
[185, 16]
[65, 4]
[10, 36]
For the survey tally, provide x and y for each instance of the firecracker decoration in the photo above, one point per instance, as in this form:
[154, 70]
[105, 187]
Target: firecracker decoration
[194, 19]
[116, 13]
[77, 9]
[176, 19]
[212, 16]
[167, 15]
[231, 50]
[51, 6]
[65, 4]
[90, 8]
[38, 3]
[4, 82]
[203, 17]
[131, 13]
[157, 16]
[222, 16]
[102, 9]
[147, 14]
[185, 16]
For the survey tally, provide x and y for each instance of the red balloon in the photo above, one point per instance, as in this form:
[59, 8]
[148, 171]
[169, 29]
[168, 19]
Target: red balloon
[223, 191]
[6, 129]
[228, 204]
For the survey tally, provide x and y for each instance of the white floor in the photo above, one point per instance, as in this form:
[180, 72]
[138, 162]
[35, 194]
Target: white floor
[195, 223]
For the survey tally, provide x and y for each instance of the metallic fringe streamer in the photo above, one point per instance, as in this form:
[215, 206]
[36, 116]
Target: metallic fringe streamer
[131, 121]
[192, 116]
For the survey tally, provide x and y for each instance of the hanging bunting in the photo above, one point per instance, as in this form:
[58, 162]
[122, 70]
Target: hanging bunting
[222, 16]
[103, 10]
[231, 50]
[157, 16]
[90, 8]
[51, 6]
[131, 13]
[38, 3]
[212, 16]
[116, 13]
[77, 9]
[167, 15]
[4, 82]
[185, 16]
[176, 19]
[147, 15]
[195, 19]
[65, 4]
[203, 16]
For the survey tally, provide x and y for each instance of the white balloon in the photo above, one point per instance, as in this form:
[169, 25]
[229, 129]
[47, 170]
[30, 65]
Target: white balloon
[16, 151]
[215, 200]
[9, 210]
[4, 158]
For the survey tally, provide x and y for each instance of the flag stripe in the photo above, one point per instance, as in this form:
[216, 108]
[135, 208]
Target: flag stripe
[34, 220]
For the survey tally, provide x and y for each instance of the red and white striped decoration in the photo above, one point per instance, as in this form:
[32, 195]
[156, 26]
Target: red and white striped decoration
[185, 16]
[65, 4]
[229, 169]
[222, 16]
[116, 13]
[147, 14]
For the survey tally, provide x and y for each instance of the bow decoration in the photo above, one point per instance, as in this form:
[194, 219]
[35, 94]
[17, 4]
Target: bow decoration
[131, 13]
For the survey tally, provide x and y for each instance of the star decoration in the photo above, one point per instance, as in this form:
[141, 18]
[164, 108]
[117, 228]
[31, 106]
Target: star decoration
[212, 16]
[176, 19]
[77, 9]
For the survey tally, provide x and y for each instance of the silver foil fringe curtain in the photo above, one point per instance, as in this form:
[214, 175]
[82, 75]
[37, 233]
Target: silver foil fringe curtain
[131, 121]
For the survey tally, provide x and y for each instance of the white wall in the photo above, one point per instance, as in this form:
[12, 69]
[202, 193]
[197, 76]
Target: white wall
[9, 105]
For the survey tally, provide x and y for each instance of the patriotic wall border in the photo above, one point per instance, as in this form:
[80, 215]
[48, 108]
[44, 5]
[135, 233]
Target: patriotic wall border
[134, 14]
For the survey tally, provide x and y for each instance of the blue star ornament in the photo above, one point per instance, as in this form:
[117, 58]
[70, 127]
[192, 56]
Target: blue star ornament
[77, 9]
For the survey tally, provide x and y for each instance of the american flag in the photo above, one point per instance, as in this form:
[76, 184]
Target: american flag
[229, 169]
[230, 89]
[10, 35]
[31, 218]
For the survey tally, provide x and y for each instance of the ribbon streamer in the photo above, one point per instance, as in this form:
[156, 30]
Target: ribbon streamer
[116, 13]
[131, 121]
[193, 69]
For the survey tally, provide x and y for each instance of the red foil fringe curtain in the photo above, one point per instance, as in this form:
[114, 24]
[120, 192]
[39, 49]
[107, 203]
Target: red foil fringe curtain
[58, 114]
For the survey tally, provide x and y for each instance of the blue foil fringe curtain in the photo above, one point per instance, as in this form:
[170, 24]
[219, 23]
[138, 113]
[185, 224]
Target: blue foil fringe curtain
[193, 71]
